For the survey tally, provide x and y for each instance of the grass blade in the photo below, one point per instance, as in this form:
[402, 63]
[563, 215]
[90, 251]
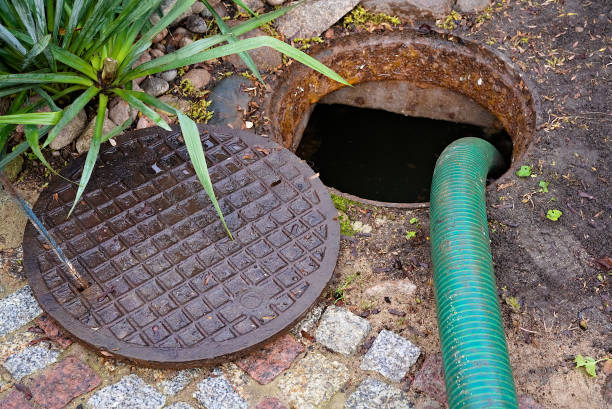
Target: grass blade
[196, 153]
[37, 118]
[25, 15]
[75, 14]
[59, 5]
[35, 51]
[92, 154]
[71, 112]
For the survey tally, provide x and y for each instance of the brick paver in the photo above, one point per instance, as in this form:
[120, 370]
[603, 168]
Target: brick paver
[15, 400]
[267, 363]
[58, 385]
[130, 392]
[30, 360]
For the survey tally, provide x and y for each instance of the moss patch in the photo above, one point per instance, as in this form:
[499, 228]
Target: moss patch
[361, 17]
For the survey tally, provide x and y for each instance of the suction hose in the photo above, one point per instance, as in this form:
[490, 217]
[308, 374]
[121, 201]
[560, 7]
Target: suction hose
[474, 351]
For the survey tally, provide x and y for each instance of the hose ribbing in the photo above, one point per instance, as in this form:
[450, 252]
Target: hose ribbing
[474, 351]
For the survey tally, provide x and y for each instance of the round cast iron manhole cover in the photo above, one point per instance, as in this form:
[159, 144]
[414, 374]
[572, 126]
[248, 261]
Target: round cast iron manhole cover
[168, 287]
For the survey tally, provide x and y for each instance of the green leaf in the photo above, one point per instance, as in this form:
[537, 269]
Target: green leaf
[10, 39]
[14, 90]
[31, 134]
[553, 214]
[71, 112]
[587, 363]
[139, 105]
[543, 186]
[37, 118]
[244, 56]
[524, 171]
[413, 220]
[196, 153]
[241, 4]
[92, 154]
[35, 51]
[235, 48]
[45, 78]
[73, 61]
[410, 235]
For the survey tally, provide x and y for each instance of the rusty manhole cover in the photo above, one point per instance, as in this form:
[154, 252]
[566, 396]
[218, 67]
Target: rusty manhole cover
[168, 287]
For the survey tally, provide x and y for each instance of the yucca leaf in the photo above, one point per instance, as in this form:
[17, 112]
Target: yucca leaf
[201, 45]
[39, 15]
[36, 118]
[73, 61]
[47, 98]
[71, 112]
[57, 21]
[237, 47]
[13, 90]
[118, 129]
[11, 40]
[25, 15]
[244, 56]
[142, 107]
[75, 14]
[193, 48]
[7, 14]
[145, 40]
[31, 135]
[21, 148]
[36, 78]
[38, 48]
[133, 11]
[196, 154]
[92, 154]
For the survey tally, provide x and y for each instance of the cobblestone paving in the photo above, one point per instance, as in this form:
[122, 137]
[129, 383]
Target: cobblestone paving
[374, 394]
[129, 393]
[391, 356]
[341, 331]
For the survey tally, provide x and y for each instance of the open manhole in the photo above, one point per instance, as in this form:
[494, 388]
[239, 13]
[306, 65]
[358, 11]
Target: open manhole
[468, 89]
[167, 285]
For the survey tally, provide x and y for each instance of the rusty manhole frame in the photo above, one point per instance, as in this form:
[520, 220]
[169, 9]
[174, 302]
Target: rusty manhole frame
[426, 59]
[280, 197]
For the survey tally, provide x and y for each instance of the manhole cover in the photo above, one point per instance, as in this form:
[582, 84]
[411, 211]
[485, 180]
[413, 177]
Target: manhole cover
[168, 287]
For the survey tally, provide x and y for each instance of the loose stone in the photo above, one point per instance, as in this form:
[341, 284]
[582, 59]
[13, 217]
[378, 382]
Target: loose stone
[341, 331]
[312, 381]
[391, 356]
[155, 86]
[374, 394]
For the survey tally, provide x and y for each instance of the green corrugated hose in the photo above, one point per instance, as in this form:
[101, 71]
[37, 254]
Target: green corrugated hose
[474, 351]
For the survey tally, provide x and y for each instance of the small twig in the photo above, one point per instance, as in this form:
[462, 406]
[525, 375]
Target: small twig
[529, 331]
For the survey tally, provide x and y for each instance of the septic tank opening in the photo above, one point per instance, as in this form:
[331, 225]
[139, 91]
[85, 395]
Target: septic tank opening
[383, 156]
[416, 68]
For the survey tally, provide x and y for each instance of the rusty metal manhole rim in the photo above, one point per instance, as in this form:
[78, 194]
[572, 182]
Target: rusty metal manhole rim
[359, 47]
[104, 340]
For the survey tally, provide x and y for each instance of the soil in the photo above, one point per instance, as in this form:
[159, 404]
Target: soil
[549, 267]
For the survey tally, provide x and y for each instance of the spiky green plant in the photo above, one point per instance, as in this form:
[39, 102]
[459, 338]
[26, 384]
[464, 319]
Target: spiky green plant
[85, 50]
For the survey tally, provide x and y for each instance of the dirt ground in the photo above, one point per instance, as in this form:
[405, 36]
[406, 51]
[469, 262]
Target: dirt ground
[553, 277]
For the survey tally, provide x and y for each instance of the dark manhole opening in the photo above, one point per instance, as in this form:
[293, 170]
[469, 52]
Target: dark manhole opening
[384, 156]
